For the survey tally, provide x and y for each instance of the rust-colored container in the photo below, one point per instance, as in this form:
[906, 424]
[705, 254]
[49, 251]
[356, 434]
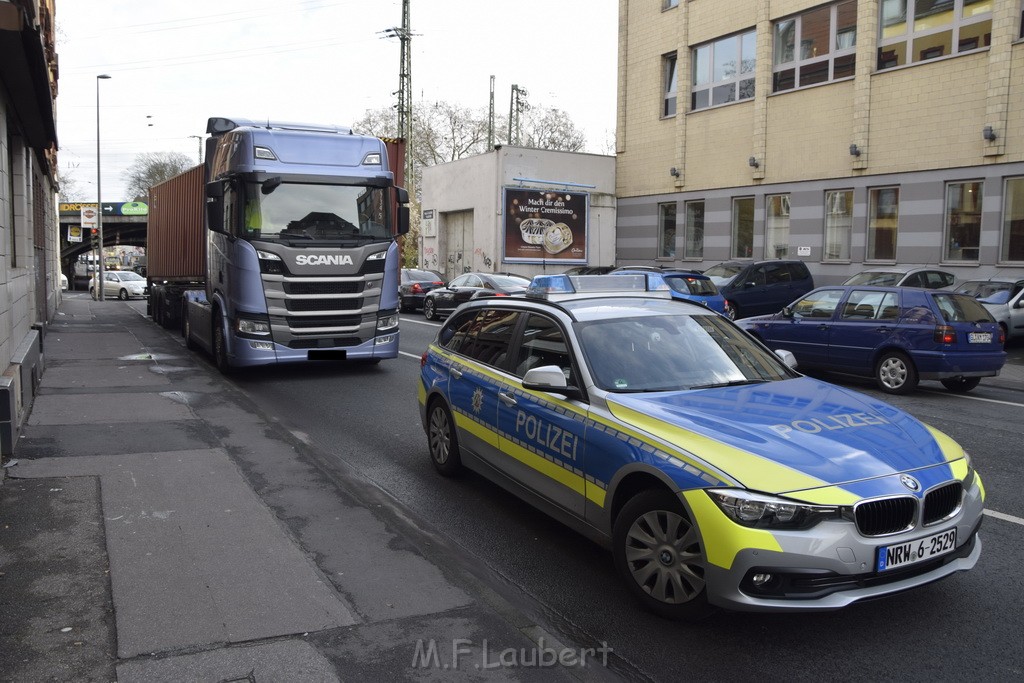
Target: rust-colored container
[176, 241]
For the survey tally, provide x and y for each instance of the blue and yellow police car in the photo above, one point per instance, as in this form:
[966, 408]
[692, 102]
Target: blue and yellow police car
[715, 473]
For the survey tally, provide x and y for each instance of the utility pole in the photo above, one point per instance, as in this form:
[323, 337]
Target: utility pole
[404, 35]
[516, 106]
[490, 120]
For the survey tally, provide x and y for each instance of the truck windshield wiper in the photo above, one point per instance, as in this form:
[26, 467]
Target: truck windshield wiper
[733, 383]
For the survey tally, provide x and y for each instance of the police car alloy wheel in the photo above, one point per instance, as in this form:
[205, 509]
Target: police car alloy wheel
[896, 374]
[441, 438]
[658, 551]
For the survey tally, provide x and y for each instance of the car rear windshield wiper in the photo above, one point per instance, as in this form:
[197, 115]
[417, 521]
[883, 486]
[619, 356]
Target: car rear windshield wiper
[734, 383]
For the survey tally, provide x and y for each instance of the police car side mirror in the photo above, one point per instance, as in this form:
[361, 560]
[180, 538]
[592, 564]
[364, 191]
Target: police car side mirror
[551, 379]
[786, 357]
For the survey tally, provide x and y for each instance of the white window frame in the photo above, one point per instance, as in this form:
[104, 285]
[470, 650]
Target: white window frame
[947, 245]
[869, 246]
[669, 85]
[735, 81]
[735, 233]
[909, 35]
[797, 63]
[776, 225]
[838, 208]
[663, 230]
[1004, 229]
[689, 238]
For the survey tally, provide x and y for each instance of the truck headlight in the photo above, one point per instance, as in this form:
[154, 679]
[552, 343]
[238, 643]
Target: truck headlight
[760, 510]
[256, 328]
[387, 322]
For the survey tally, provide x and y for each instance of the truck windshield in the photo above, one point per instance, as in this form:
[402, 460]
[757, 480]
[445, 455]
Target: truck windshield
[297, 211]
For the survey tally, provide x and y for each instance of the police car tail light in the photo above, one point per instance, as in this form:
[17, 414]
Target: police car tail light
[763, 511]
[945, 334]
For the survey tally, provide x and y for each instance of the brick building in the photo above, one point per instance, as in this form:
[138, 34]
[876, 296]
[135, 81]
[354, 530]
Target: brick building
[847, 134]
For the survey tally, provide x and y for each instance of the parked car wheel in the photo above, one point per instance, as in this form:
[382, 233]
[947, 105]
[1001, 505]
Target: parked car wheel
[404, 306]
[895, 373]
[733, 311]
[123, 294]
[429, 312]
[658, 551]
[92, 293]
[442, 441]
[961, 385]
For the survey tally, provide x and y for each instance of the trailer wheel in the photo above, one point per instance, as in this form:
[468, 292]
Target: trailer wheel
[220, 346]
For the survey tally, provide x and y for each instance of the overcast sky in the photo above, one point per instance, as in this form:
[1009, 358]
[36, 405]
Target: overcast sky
[175, 63]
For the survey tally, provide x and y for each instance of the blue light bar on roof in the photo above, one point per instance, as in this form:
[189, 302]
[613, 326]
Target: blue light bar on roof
[543, 285]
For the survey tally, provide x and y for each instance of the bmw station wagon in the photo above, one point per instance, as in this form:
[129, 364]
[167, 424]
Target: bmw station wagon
[715, 473]
[897, 335]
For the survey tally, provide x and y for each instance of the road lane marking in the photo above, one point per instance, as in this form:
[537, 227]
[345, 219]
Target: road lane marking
[1005, 517]
[410, 355]
[975, 398]
[420, 322]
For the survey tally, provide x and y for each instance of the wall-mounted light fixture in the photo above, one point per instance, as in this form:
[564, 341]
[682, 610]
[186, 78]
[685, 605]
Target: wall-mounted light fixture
[753, 162]
[674, 172]
[988, 133]
[854, 150]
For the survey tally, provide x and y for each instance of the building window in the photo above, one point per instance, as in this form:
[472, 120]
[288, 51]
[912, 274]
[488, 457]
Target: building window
[776, 226]
[963, 221]
[883, 223]
[693, 245]
[669, 4]
[918, 30]
[1012, 245]
[743, 227]
[815, 47]
[667, 230]
[668, 65]
[13, 159]
[723, 71]
[838, 224]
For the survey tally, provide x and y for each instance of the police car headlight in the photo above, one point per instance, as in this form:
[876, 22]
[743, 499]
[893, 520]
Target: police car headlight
[759, 510]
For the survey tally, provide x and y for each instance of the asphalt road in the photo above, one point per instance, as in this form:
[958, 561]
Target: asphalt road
[969, 624]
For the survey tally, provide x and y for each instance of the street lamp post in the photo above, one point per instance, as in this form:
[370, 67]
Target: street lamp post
[99, 196]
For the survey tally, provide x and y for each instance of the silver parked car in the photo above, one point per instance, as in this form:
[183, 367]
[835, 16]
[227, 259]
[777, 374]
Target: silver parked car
[1004, 299]
[123, 284]
[896, 276]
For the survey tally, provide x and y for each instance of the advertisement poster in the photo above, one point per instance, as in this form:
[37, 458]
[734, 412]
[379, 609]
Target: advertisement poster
[545, 225]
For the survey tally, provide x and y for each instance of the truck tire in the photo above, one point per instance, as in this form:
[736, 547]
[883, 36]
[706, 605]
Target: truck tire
[186, 332]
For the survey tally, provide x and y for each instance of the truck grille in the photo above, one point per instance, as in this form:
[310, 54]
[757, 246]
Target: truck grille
[300, 305]
[942, 502]
[297, 323]
[324, 343]
[886, 516]
[323, 287]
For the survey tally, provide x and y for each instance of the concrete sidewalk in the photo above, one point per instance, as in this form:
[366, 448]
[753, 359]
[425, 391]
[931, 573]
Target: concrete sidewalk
[158, 527]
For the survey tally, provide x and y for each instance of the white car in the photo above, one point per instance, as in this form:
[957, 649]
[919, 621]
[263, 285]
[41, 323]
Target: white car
[123, 284]
[1004, 299]
[63, 282]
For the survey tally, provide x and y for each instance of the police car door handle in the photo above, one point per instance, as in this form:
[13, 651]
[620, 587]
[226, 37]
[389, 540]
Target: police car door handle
[456, 373]
[507, 399]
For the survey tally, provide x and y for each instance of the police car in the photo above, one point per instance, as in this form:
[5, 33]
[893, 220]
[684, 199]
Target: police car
[716, 473]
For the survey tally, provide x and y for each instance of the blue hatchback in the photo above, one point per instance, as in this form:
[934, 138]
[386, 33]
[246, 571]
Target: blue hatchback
[683, 284]
[898, 335]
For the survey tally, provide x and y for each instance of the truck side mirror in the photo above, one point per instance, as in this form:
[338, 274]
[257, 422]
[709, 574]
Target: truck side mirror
[215, 206]
[403, 220]
[403, 195]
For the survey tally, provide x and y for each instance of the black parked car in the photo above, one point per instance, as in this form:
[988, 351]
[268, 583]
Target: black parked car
[414, 286]
[444, 300]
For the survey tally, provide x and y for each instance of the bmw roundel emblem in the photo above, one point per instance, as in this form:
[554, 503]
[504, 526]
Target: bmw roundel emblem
[910, 482]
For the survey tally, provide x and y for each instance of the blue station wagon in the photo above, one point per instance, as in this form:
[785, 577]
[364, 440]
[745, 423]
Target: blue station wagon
[898, 335]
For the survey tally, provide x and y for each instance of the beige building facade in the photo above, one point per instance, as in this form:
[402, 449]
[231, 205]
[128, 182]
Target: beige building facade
[848, 134]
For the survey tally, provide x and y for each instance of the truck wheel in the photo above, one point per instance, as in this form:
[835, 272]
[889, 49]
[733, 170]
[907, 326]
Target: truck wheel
[220, 345]
[123, 294]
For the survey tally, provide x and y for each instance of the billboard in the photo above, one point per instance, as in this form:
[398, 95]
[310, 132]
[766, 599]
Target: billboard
[545, 225]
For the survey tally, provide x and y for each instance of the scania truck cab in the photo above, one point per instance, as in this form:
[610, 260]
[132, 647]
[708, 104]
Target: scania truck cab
[302, 261]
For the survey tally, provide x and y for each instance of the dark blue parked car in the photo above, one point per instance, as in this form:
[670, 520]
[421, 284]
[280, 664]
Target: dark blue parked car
[898, 335]
[760, 287]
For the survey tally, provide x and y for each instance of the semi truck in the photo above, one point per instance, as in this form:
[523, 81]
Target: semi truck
[281, 247]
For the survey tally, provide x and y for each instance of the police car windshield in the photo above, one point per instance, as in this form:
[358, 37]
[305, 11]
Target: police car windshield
[300, 212]
[673, 353]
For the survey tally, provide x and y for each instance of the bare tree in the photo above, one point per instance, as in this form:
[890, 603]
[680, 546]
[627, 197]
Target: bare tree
[151, 168]
[550, 128]
[70, 190]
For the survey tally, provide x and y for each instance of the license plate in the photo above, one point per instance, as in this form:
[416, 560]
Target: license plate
[912, 552]
[979, 337]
